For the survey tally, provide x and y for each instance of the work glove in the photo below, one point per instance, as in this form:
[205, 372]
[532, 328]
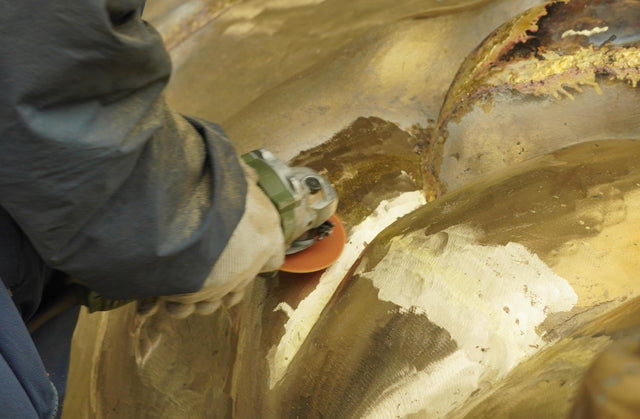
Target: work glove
[257, 245]
[286, 208]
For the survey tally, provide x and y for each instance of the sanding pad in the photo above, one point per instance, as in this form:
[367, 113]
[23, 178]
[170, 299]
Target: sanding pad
[319, 255]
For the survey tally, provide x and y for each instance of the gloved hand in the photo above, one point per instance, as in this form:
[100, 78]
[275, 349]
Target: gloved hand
[283, 204]
[257, 245]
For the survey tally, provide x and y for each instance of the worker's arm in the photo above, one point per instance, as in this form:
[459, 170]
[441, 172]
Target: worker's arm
[111, 185]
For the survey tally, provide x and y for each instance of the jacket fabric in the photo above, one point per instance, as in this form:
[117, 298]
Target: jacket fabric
[99, 178]
[22, 270]
[106, 181]
[26, 391]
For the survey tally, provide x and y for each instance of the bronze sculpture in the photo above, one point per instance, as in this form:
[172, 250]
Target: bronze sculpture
[489, 300]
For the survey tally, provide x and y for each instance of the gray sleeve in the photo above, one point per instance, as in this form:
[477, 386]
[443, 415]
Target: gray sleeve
[110, 185]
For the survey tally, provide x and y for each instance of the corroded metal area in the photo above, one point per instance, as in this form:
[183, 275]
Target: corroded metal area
[559, 74]
[490, 301]
[291, 74]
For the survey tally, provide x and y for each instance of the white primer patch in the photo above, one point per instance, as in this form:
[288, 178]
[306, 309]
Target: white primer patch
[585, 32]
[489, 298]
[302, 319]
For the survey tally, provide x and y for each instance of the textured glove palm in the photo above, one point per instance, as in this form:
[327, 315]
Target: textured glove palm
[257, 245]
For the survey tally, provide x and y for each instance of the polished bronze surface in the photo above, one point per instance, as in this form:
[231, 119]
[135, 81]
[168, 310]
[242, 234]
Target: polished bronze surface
[489, 301]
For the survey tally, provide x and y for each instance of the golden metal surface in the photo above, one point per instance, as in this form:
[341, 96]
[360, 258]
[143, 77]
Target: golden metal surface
[490, 301]
[552, 77]
[290, 74]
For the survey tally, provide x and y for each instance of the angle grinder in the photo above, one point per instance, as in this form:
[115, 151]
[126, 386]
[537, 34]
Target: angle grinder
[307, 204]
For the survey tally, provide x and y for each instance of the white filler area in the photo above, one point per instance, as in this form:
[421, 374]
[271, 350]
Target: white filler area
[489, 298]
[302, 319]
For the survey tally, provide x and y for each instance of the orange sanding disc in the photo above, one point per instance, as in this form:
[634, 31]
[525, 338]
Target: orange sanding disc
[319, 255]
